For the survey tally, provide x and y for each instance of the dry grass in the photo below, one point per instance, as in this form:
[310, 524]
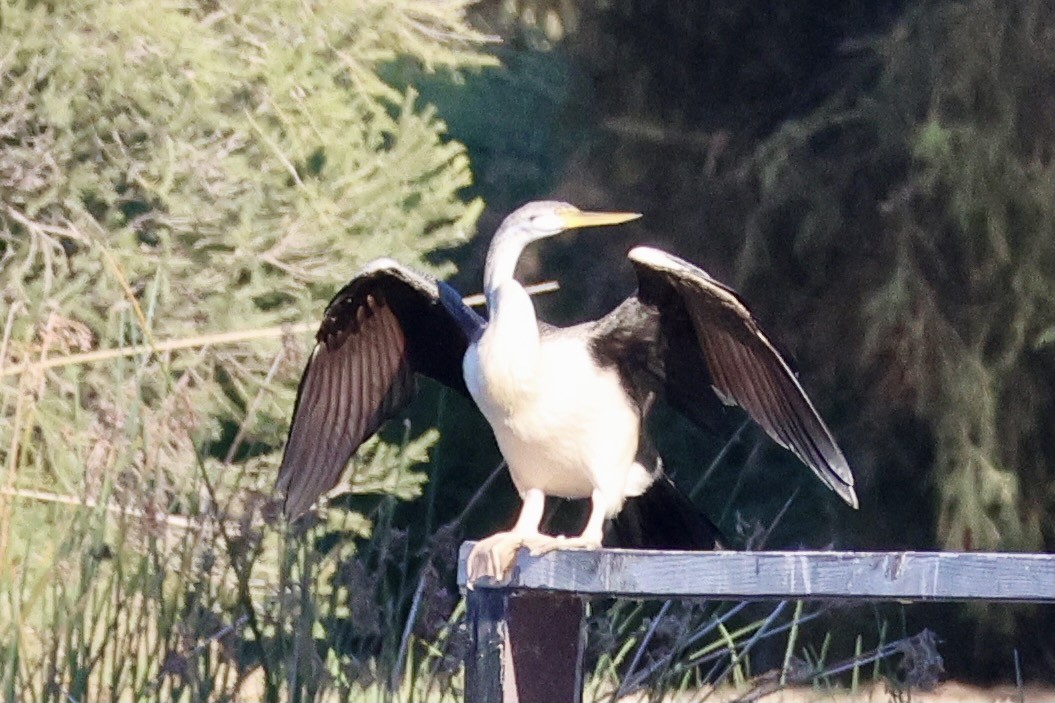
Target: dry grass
[877, 693]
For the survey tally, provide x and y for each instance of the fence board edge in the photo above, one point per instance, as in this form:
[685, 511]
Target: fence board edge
[912, 576]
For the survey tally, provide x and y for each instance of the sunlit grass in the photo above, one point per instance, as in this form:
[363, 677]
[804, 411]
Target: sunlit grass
[114, 606]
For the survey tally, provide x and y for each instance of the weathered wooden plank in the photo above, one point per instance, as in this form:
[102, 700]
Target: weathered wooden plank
[524, 647]
[777, 575]
[484, 665]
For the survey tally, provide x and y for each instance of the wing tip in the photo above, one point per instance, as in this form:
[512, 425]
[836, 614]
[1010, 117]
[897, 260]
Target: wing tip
[848, 494]
[837, 476]
[290, 510]
[294, 506]
[841, 481]
[284, 493]
[844, 479]
[290, 491]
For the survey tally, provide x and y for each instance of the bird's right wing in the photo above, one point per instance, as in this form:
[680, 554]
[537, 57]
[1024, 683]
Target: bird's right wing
[387, 324]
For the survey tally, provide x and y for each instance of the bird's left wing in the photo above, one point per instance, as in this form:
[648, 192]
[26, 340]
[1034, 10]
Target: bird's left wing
[387, 324]
[705, 342]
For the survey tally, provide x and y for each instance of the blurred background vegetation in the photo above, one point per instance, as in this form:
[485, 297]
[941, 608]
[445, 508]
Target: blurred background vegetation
[876, 178]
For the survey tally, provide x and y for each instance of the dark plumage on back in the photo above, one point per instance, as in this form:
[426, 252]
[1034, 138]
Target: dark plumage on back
[655, 358]
[388, 324]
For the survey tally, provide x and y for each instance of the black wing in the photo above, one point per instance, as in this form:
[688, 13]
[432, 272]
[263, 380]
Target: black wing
[703, 342]
[387, 324]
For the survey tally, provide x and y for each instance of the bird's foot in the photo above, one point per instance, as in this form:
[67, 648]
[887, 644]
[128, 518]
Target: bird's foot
[562, 542]
[492, 558]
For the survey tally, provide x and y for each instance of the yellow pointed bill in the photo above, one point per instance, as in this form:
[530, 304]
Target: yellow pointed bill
[578, 218]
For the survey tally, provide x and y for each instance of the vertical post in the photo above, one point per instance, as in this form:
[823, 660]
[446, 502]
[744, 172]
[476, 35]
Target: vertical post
[524, 647]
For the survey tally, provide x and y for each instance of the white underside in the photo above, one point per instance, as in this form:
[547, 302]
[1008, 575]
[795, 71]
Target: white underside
[565, 425]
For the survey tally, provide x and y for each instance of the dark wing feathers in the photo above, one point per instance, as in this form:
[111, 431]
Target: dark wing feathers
[387, 324]
[636, 339]
[708, 344]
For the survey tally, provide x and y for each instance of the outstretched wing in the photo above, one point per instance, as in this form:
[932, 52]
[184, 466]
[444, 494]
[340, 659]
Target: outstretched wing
[706, 342]
[387, 324]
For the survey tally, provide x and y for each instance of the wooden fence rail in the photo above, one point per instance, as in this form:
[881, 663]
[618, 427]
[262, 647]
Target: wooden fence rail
[527, 636]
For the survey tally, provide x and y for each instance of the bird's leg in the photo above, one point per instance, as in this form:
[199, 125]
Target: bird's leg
[591, 536]
[491, 558]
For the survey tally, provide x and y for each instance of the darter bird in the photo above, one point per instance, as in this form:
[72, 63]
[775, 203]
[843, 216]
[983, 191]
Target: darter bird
[567, 405]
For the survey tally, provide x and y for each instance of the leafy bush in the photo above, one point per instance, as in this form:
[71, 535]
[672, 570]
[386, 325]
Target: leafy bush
[170, 171]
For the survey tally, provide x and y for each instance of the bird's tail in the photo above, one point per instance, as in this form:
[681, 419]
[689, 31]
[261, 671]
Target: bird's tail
[662, 518]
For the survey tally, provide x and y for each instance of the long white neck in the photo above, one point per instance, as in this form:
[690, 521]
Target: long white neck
[502, 258]
[509, 347]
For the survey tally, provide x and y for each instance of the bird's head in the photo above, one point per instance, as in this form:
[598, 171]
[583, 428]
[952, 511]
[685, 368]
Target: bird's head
[546, 218]
[532, 222]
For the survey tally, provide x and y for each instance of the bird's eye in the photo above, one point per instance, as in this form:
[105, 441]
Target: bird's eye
[546, 222]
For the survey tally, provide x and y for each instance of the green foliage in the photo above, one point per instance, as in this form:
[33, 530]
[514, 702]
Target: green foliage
[960, 262]
[176, 170]
[532, 97]
[983, 161]
[168, 171]
[224, 604]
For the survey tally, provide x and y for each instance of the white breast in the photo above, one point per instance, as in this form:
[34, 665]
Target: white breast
[565, 426]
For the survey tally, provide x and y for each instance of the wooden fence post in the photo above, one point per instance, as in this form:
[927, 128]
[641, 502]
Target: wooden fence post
[525, 647]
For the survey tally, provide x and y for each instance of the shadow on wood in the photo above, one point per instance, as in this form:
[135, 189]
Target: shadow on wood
[525, 647]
